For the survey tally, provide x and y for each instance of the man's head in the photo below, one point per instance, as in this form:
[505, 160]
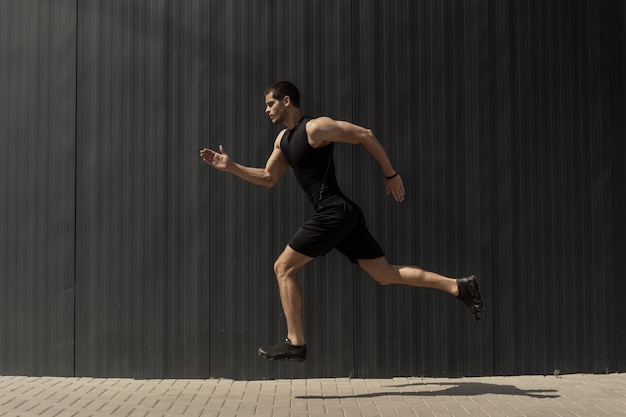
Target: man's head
[283, 89]
[282, 103]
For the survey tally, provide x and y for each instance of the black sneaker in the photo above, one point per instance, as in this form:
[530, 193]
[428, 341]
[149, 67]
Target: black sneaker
[469, 293]
[284, 352]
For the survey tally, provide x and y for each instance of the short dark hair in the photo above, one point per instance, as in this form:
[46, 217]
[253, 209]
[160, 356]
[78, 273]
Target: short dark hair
[281, 89]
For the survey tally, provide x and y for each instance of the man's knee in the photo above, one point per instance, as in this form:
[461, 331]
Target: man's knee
[382, 279]
[289, 263]
[281, 268]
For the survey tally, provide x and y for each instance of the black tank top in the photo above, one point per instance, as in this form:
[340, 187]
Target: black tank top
[314, 168]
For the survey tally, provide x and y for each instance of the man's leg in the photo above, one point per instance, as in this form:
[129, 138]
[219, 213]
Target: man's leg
[294, 348]
[466, 289]
[385, 273]
[286, 267]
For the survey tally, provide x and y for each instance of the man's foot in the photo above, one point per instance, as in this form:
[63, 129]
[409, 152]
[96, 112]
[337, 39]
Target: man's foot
[469, 293]
[284, 352]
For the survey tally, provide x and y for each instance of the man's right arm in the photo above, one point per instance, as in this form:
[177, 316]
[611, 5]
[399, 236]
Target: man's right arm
[267, 177]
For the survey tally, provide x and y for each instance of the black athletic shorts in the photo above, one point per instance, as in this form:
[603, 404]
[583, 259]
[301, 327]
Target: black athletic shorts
[337, 224]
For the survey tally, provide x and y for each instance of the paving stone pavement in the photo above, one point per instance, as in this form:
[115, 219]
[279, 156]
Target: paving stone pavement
[568, 395]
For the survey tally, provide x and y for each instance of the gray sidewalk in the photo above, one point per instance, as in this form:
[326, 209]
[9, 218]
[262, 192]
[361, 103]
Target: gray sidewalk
[569, 395]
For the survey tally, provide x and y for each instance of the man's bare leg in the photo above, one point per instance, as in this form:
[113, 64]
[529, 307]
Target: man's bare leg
[286, 267]
[466, 289]
[386, 274]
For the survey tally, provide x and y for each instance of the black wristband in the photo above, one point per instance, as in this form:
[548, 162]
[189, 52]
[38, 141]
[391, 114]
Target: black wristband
[393, 176]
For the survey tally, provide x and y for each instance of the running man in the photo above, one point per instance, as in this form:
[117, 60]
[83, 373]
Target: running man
[306, 144]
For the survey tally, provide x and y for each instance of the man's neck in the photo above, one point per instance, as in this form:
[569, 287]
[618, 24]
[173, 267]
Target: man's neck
[292, 119]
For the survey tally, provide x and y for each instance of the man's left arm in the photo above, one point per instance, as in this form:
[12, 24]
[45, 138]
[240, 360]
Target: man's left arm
[324, 130]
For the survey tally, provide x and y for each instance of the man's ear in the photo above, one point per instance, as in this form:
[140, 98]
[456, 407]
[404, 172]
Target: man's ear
[286, 101]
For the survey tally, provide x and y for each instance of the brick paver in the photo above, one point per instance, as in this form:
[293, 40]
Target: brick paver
[568, 395]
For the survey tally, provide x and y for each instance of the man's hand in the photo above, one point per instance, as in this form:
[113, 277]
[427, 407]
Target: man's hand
[395, 187]
[217, 160]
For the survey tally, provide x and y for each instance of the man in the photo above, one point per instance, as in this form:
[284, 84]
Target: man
[338, 223]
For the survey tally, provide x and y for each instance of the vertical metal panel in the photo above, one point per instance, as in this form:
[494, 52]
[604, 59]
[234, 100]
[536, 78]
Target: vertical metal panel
[553, 227]
[37, 133]
[618, 133]
[423, 67]
[122, 189]
[256, 222]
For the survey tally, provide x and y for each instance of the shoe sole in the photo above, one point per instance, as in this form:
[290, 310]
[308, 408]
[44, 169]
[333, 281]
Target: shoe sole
[477, 306]
[281, 359]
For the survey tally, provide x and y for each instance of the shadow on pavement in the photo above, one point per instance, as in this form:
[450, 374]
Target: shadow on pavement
[458, 389]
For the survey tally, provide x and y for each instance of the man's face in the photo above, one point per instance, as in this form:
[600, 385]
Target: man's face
[275, 109]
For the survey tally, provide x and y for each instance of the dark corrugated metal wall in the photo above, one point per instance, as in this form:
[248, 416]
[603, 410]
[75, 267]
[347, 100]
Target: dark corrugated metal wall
[552, 199]
[618, 133]
[504, 118]
[37, 192]
[422, 85]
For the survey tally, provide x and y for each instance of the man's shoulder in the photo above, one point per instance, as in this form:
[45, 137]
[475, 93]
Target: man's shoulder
[279, 138]
[318, 130]
[319, 119]
[316, 124]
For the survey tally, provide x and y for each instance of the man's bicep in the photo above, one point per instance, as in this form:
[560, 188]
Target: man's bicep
[276, 159]
[276, 164]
